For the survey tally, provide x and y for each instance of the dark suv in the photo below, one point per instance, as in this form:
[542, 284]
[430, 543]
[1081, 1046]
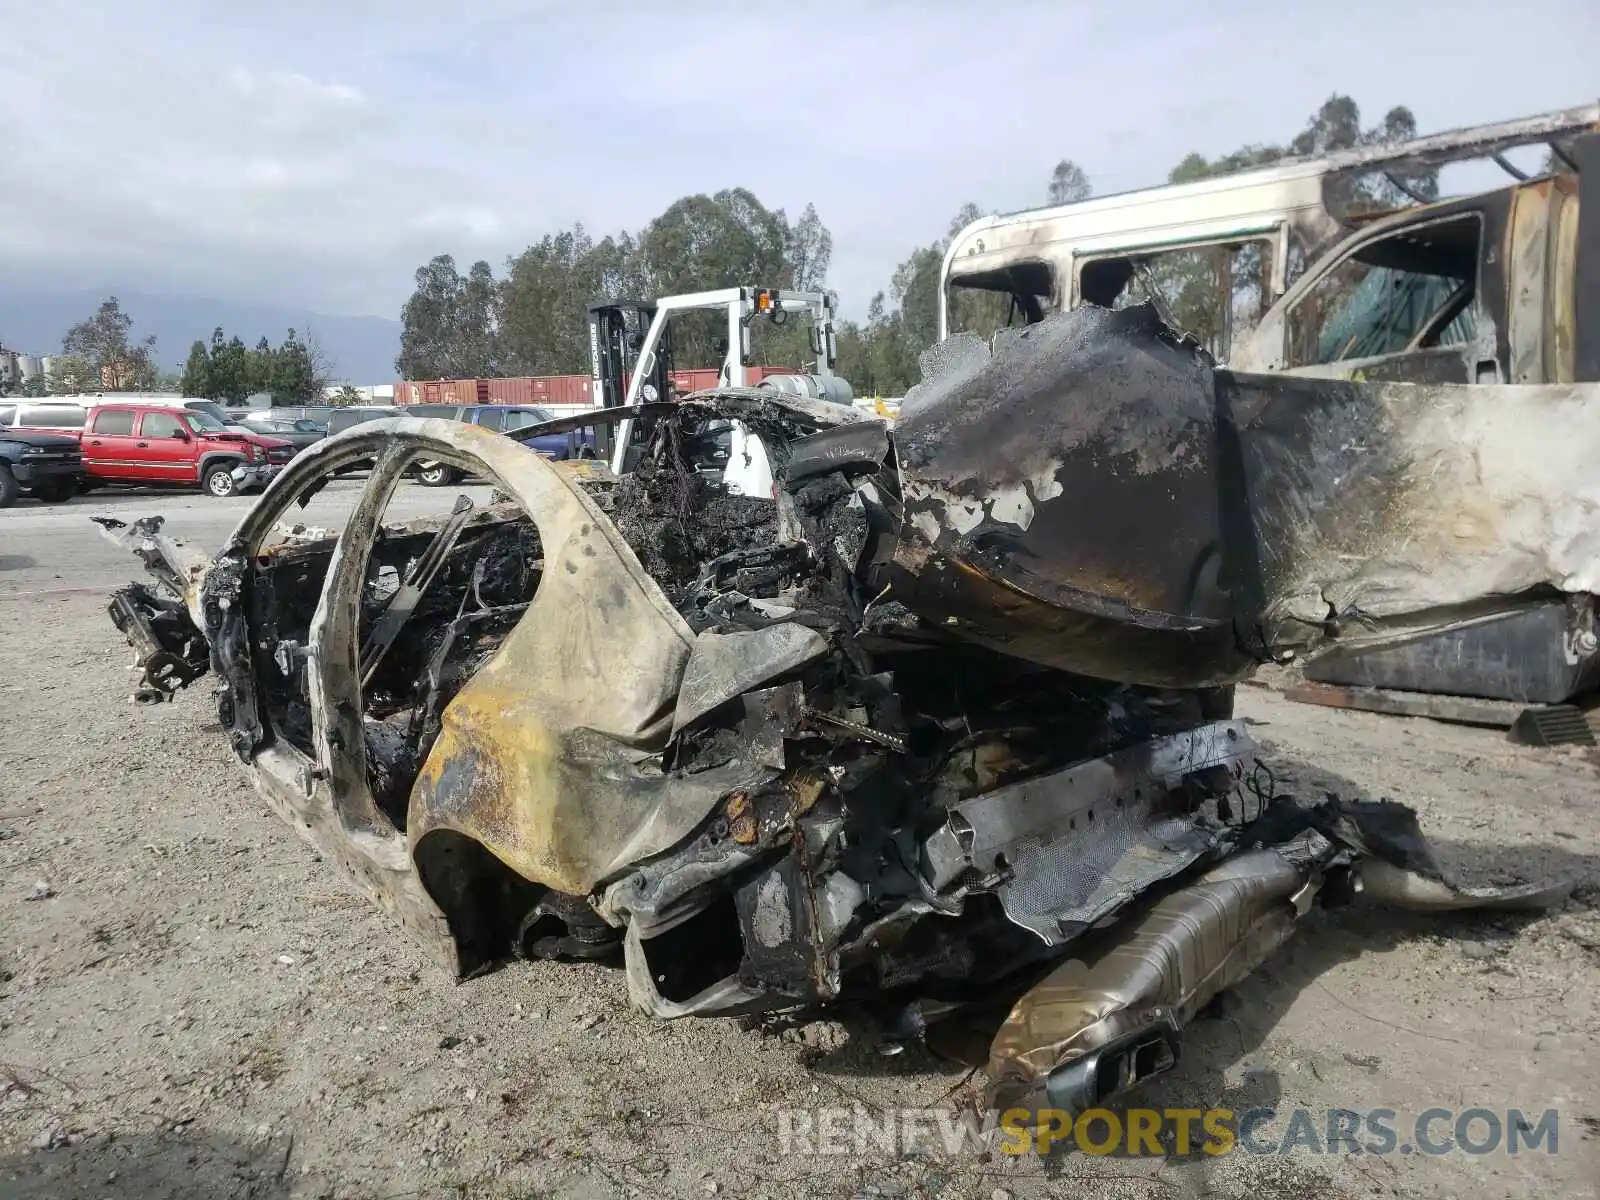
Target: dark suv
[341, 419]
[502, 418]
[349, 416]
[48, 466]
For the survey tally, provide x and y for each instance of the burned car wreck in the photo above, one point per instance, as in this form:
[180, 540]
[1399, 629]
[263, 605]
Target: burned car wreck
[948, 717]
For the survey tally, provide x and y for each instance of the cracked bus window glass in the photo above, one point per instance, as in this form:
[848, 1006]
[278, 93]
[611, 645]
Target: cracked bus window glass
[1411, 290]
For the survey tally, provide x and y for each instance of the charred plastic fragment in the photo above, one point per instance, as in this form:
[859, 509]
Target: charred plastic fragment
[945, 717]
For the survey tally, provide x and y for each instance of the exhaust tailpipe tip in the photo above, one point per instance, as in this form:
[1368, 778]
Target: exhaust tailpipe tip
[1120, 1064]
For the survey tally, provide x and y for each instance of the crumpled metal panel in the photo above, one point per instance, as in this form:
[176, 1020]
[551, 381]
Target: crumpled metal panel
[724, 665]
[1091, 494]
[545, 757]
[1064, 500]
[1385, 510]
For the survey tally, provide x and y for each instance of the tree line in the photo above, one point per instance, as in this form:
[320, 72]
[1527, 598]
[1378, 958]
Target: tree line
[102, 354]
[293, 372]
[532, 321]
[99, 354]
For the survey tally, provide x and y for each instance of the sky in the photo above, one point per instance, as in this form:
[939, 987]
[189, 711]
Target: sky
[315, 154]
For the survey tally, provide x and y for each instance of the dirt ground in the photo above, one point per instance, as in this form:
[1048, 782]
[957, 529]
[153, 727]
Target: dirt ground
[192, 1005]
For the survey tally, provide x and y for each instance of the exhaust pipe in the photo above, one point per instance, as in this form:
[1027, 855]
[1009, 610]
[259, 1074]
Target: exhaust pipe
[1099, 1025]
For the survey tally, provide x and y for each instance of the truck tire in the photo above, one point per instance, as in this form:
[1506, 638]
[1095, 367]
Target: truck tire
[8, 487]
[56, 491]
[218, 481]
[437, 475]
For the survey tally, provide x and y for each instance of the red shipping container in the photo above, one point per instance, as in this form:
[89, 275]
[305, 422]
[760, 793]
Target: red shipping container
[541, 390]
[564, 391]
[704, 378]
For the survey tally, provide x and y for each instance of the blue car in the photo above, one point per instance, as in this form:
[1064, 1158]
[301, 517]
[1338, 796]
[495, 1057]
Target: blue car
[503, 418]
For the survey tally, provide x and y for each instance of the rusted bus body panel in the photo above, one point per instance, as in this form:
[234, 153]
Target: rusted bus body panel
[1561, 318]
[1527, 239]
[1300, 204]
[1586, 268]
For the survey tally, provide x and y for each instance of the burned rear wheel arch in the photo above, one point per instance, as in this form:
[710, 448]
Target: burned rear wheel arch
[484, 902]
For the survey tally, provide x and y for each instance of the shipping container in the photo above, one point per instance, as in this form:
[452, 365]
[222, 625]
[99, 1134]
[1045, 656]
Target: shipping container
[443, 391]
[566, 393]
[541, 390]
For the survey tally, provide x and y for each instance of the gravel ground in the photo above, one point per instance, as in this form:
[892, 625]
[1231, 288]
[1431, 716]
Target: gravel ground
[192, 1005]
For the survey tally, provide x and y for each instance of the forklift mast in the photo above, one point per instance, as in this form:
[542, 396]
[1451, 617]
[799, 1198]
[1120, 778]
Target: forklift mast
[617, 331]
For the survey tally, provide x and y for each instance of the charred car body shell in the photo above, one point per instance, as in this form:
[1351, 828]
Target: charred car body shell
[938, 715]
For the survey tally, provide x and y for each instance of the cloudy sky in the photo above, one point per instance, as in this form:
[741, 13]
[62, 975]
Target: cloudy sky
[315, 153]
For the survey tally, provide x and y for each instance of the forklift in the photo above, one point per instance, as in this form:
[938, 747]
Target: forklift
[630, 355]
[617, 331]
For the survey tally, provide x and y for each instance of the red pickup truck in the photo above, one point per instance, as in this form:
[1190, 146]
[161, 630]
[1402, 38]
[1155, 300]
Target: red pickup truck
[139, 443]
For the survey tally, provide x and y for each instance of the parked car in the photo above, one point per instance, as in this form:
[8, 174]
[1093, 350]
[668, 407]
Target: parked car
[349, 418]
[47, 466]
[502, 418]
[357, 414]
[68, 413]
[157, 400]
[309, 412]
[64, 416]
[159, 444]
[302, 432]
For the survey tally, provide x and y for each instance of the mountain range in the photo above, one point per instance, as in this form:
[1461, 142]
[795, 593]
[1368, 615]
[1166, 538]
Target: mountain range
[362, 350]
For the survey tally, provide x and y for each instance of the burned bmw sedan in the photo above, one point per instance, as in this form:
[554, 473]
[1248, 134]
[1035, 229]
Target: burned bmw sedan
[945, 717]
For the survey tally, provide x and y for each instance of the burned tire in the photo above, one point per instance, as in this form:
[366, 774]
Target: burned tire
[437, 475]
[56, 491]
[8, 487]
[218, 482]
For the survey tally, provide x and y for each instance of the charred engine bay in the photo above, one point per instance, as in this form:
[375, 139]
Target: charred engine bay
[891, 700]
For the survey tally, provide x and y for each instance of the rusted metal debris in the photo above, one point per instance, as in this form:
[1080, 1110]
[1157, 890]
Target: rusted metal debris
[947, 717]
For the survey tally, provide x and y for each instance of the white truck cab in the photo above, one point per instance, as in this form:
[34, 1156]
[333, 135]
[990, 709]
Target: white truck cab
[1276, 270]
